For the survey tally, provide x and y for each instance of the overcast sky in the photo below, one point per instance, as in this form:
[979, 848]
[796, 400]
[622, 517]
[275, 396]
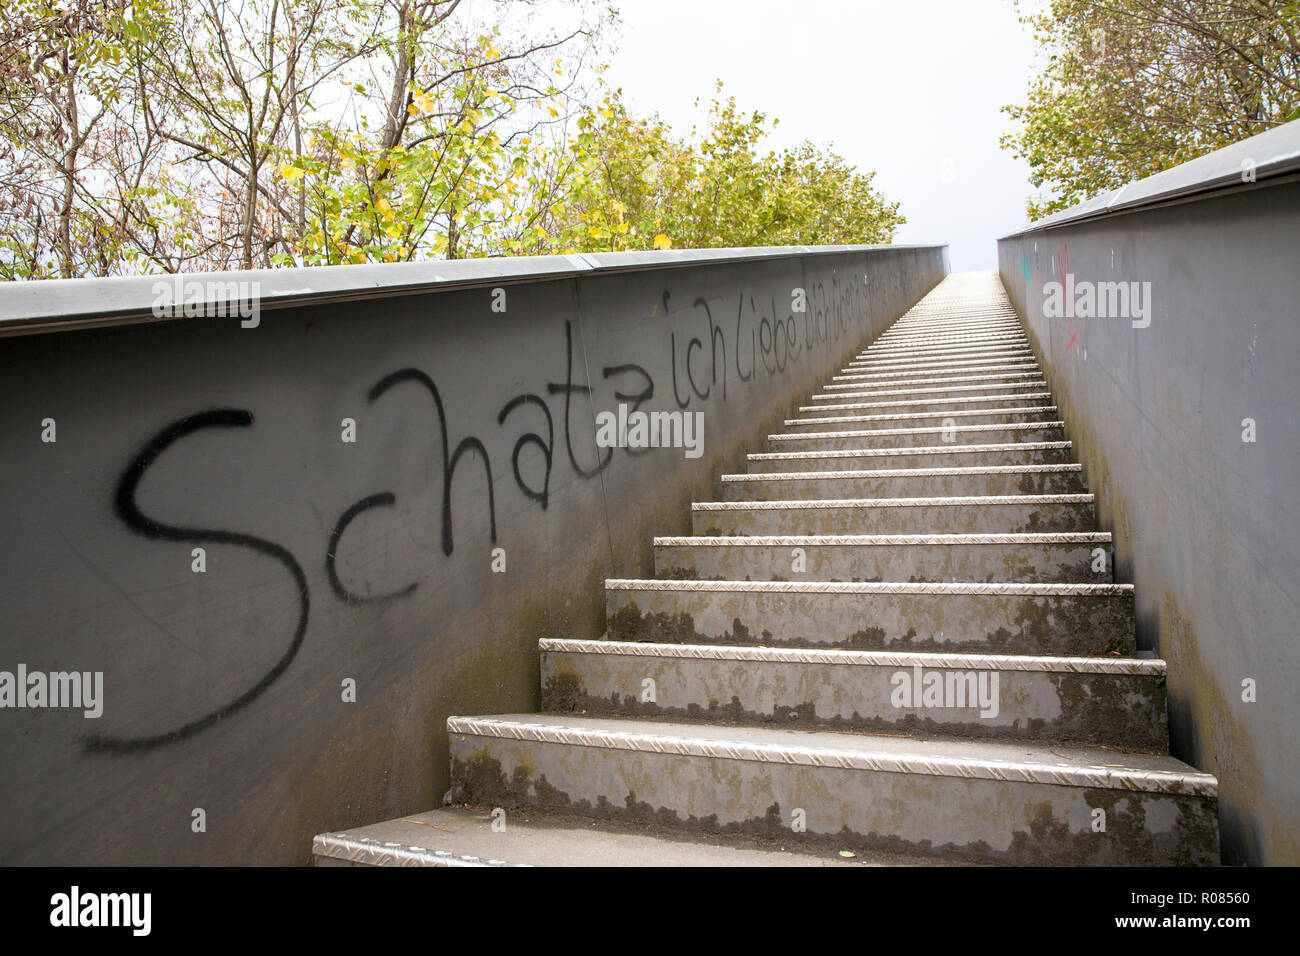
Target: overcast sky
[909, 88]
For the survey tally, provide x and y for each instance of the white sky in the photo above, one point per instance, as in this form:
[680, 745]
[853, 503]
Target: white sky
[910, 88]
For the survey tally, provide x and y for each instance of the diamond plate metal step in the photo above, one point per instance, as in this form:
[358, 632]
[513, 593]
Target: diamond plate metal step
[963, 416]
[955, 379]
[954, 403]
[941, 515]
[939, 352]
[919, 374]
[933, 393]
[1082, 557]
[1114, 701]
[962, 357]
[1057, 479]
[486, 836]
[997, 617]
[988, 801]
[957, 433]
[926, 456]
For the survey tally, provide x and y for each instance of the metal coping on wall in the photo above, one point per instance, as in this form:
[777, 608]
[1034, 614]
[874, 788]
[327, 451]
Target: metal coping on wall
[52, 305]
[1269, 158]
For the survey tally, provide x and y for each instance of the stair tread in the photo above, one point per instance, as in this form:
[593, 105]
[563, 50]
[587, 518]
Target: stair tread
[928, 430]
[1051, 468]
[850, 658]
[871, 587]
[1011, 537]
[455, 836]
[906, 450]
[979, 500]
[902, 416]
[1026, 761]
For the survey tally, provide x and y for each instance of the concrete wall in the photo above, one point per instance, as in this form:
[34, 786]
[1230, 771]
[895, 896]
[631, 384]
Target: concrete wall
[371, 560]
[1207, 526]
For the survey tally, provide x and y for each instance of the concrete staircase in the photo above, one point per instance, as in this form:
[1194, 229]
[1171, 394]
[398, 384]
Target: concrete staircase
[897, 636]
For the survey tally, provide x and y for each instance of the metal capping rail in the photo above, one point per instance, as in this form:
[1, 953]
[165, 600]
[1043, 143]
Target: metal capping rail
[859, 540]
[868, 587]
[1025, 771]
[1272, 154]
[1127, 666]
[55, 304]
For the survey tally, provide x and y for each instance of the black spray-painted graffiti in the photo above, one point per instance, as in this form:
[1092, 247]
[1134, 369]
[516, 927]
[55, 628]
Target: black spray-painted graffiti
[772, 342]
[129, 512]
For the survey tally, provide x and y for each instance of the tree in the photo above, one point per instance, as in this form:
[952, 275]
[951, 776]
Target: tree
[181, 135]
[1132, 87]
[638, 187]
[65, 70]
[438, 169]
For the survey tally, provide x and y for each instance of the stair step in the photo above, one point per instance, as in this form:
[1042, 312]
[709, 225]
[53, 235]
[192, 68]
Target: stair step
[965, 416]
[927, 456]
[918, 374]
[1001, 618]
[952, 355]
[998, 359]
[965, 328]
[932, 392]
[1033, 374]
[1114, 701]
[923, 339]
[462, 837]
[930, 405]
[978, 481]
[954, 322]
[1000, 514]
[958, 433]
[971, 329]
[939, 351]
[991, 801]
[1047, 558]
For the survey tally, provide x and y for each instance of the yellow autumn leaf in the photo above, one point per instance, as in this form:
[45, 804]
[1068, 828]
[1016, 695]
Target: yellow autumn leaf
[385, 209]
[662, 242]
[554, 111]
[289, 172]
[424, 101]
